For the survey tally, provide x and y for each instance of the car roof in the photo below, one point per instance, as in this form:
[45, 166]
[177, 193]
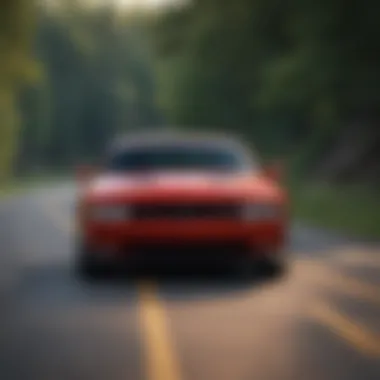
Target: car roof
[164, 137]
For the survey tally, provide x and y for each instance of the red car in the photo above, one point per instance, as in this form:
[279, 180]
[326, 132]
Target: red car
[181, 198]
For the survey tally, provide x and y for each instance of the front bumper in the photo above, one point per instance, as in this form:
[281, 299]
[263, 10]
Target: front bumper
[184, 238]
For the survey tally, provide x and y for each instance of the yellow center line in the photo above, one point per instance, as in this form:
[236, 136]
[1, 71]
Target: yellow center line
[356, 335]
[161, 359]
[331, 278]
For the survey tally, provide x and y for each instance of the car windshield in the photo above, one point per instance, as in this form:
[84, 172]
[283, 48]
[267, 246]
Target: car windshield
[179, 158]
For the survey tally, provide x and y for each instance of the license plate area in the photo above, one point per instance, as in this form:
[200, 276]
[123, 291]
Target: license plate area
[198, 250]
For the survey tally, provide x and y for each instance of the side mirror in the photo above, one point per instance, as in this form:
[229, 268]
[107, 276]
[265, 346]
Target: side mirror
[84, 173]
[274, 171]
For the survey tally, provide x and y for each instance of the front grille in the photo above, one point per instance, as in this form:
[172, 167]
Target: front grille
[211, 249]
[186, 211]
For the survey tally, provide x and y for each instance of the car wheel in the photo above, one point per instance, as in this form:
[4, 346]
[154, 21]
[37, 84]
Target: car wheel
[244, 269]
[274, 267]
[88, 268]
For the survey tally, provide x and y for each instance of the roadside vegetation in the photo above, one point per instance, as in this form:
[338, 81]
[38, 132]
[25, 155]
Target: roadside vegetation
[298, 79]
[26, 183]
[349, 210]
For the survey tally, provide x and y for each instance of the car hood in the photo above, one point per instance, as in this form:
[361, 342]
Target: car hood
[181, 185]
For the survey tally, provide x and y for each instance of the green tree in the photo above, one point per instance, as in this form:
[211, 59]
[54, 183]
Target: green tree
[16, 68]
[97, 82]
[279, 72]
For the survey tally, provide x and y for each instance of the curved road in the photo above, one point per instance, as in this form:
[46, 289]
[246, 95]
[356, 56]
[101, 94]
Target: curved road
[322, 322]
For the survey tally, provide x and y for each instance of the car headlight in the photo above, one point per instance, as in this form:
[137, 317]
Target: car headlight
[108, 213]
[260, 211]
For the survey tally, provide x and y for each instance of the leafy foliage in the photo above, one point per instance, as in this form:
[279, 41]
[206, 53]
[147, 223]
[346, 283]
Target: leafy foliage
[275, 71]
[93, 80]
[16, 68]
[288, 75]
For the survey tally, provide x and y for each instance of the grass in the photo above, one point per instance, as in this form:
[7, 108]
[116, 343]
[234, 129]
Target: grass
[354, 210]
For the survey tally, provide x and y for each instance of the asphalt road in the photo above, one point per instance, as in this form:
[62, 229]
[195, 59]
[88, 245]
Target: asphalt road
[322, 322]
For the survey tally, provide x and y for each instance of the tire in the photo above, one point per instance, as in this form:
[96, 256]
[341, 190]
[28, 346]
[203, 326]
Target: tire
[275, 268]
[244, 269]
[87, 267]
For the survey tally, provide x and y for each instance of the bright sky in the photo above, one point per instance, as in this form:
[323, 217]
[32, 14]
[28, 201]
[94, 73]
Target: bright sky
[142, 3]
[127, 3]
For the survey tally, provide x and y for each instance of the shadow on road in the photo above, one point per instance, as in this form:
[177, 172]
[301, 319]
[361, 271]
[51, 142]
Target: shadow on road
[189, 284]
[57, 285]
